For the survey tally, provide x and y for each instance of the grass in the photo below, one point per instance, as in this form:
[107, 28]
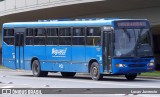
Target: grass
[2, 67]
[151, 74]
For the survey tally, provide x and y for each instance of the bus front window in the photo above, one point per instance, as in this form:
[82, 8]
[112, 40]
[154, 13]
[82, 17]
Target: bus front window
[132, 43]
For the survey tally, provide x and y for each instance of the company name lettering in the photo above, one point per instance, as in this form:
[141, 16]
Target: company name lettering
[59, 51]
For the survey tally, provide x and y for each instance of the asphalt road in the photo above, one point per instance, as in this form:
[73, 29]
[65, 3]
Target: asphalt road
[24, 79]
[12, 78]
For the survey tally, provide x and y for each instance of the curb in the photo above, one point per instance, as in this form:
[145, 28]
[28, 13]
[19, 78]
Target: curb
[12, 70]
[17, 70]
[4, 69]
[148, 77]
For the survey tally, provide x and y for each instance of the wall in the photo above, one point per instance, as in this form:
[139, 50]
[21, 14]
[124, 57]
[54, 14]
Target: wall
[16, 6]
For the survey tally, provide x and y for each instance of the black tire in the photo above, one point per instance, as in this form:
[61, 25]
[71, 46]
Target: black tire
[68, 74]
[45, 73]
[36, 70]
[131, 76]
[95, 71]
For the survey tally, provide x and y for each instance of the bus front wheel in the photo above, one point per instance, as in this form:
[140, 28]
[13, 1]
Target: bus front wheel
[95, 71]
[68, 74]
[131, 76]
[36, 70]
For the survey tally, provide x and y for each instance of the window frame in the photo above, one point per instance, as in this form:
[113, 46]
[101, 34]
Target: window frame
[37, 36]
[7, 37]
[52, 36]
[29, 36]
[100, 36]
[65, 36]
[84, 36]
[71, 35]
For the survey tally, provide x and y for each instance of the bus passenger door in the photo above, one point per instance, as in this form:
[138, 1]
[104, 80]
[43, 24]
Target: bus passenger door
[107, 51]
[19, 50]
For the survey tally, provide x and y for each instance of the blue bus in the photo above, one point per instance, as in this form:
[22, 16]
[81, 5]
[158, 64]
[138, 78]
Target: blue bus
[98, 47]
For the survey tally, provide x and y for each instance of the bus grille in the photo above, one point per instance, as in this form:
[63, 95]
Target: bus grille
[137, 60]
[136, 65]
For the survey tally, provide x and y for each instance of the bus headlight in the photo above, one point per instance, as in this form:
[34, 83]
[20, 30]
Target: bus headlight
[151, 64]
[120, 65]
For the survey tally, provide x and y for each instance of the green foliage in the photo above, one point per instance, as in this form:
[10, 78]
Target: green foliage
[151, 74]
[2, 67]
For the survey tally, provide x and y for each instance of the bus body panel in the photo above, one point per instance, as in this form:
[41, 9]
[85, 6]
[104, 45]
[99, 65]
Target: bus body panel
[58, 24]
[56, 57]
[8, 56]
[79, 67]
[27, 65]
[78, 54]
[132, 65]
[31, 52]
[78, 59]
[94, 53]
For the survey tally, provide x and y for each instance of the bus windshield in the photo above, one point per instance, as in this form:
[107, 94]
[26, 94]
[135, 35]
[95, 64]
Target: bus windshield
[132, 43]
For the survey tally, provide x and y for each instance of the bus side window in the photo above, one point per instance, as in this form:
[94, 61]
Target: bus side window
[64, 36]
[78, 36]
[39, 36]
[8, 36]
[29, 37]
[93, 36]
[52, 36]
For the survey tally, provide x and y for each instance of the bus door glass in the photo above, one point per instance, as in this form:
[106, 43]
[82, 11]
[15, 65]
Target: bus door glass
[107, 51]
[19, 48]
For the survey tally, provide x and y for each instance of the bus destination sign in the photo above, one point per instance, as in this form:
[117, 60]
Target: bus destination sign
[131, 24]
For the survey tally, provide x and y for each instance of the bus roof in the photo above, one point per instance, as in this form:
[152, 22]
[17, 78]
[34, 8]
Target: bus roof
[63, 23]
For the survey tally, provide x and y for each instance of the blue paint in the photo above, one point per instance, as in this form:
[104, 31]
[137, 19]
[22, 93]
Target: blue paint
[19, 57]
[132, 66]
[66, 58]
[8, 56]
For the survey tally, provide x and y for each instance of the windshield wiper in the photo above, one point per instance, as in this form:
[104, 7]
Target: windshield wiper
[127, 34]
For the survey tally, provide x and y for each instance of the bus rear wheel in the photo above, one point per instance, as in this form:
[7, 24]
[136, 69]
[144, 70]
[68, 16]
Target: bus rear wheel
[131, 76]
[68, 74]
[36, 70]
[95, 71]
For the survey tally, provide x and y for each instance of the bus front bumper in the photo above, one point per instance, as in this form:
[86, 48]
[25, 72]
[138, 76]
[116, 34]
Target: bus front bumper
[130, 66]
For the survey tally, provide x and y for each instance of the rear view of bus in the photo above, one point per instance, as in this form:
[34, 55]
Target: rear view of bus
[130, 48]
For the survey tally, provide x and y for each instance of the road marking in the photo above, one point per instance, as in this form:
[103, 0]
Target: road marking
[87, 81]
[15, 85]
[109, 83]
[7, 87]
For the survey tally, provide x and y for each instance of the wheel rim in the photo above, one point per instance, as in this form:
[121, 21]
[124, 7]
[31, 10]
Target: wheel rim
[36, 69]
[95, 72]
